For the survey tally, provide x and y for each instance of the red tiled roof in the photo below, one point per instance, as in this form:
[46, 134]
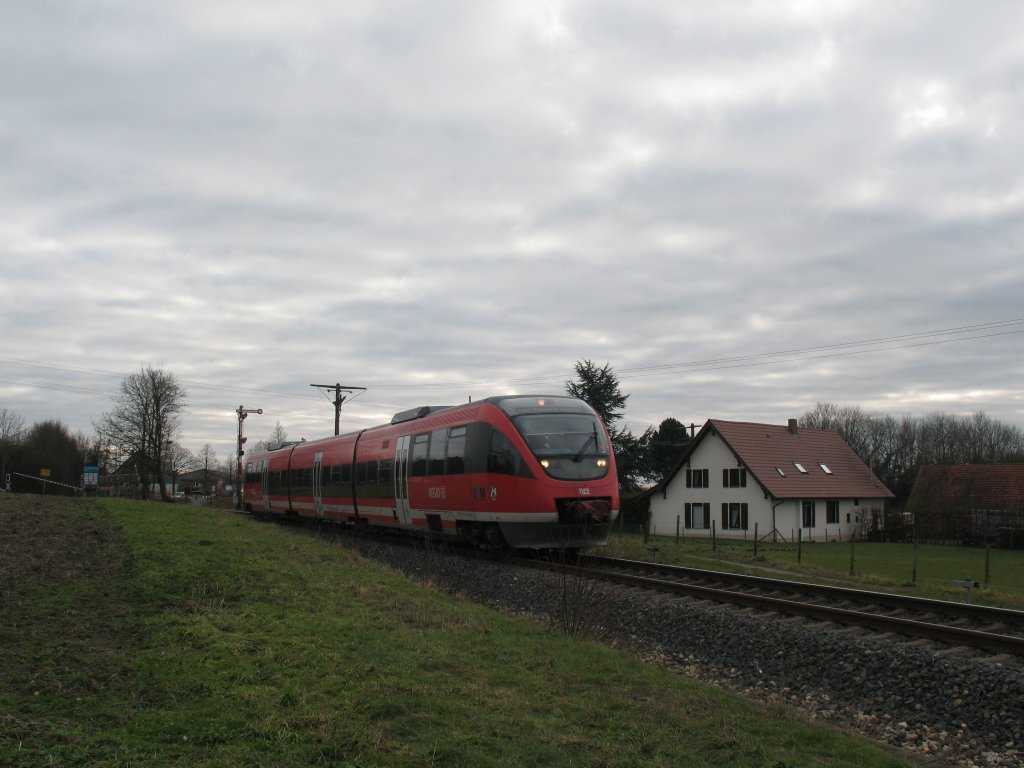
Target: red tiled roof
[968, 486]
[766, 448]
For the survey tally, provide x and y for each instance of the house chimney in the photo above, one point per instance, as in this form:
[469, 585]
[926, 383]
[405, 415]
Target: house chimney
[792, 427]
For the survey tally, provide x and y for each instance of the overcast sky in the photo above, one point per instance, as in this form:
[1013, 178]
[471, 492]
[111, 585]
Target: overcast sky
[745, 208]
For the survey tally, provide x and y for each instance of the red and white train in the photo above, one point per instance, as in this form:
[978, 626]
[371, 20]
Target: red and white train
[513, 471]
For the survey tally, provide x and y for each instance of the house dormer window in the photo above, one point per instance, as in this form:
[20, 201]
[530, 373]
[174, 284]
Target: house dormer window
[800, 467]
[779, 470]
[824, 468]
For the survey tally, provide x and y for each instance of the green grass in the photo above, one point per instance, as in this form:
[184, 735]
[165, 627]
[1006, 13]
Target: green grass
[149, 634]
[876, 565]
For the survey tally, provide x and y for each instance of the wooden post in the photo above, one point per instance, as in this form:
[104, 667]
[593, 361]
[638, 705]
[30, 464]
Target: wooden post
[799, 546]
[677, 530]
[913, 575]
[851, 555]
[755, 541]
[988, 552]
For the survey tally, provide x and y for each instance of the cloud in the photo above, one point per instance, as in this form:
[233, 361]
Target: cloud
[455, 199]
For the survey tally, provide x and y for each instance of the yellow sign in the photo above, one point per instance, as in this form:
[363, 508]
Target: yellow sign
[44, 473]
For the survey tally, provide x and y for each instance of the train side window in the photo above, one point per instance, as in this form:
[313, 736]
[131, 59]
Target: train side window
[301, 481]
[420, 454]
[488, 450]
[502, 457]
[386, 469]
[456, 459]
[332, 481]
[373, 478]
[435, 466]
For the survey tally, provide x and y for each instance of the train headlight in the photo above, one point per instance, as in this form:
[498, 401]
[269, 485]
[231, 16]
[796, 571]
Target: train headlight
[602, 463]
[545, 463]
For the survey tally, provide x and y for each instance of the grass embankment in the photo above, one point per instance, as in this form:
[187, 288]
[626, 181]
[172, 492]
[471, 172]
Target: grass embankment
[151, 634]
[875, 565]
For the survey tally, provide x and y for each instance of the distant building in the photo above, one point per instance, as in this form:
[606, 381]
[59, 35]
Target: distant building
[782, 481]
[969, 503]
[198, 482]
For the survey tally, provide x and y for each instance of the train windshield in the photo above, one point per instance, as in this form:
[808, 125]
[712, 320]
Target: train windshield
[564, 434]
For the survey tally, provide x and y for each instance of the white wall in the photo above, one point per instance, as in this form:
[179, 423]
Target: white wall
[713, 455]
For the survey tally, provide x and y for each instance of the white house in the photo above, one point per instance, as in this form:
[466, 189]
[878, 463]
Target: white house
[780, 481]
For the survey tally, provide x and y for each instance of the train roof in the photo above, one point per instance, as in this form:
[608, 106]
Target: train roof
[426, 410]
[422, 411]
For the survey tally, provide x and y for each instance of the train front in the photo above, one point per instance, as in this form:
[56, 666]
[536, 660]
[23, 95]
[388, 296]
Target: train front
[569, 442]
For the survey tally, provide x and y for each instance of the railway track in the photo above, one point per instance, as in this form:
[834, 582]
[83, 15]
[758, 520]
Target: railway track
[992, 630]
[977, 627]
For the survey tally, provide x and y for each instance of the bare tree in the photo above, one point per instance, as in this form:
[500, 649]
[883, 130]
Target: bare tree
[207, 462]
[258, 447]
[179, 461]
[941, 440]
[852, 424]
[146, 418]
[278, 436]
[895, 449]
[230, 465]
[12, 428]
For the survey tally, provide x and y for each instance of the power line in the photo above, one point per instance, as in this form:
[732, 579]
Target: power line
[760, 358]
[842, 349]
[338, 399]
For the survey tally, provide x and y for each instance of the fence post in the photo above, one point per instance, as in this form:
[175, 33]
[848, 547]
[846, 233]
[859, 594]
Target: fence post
[714, 543]
[799, 546]
[913, 574]
[988, 552]
[851, 555]
[677, 530]
[755, 541]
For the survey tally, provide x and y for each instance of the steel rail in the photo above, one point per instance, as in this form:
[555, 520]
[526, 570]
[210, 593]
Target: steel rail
[942, 632]
[985, 613]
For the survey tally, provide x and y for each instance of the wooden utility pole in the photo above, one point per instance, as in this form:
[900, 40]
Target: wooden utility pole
[338, 400]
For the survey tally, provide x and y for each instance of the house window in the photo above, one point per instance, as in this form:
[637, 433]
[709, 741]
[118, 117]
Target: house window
[734, 516]
[808, 514]
[697, 478]
[832, 512]
[800, 467]
[779, 470]
[697, 516]
[736, 477]
[824, 468]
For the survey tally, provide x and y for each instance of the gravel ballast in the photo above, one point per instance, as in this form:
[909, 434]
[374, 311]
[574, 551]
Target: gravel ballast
[957, 709]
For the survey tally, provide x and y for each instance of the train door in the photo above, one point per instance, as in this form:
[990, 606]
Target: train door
[318, 484]
[401, 480]
[265, 483]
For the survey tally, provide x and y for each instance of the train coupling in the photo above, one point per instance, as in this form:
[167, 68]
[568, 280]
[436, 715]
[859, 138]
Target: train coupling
[583, 511]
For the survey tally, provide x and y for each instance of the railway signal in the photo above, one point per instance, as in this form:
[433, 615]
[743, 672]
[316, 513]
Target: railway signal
[242, 412]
